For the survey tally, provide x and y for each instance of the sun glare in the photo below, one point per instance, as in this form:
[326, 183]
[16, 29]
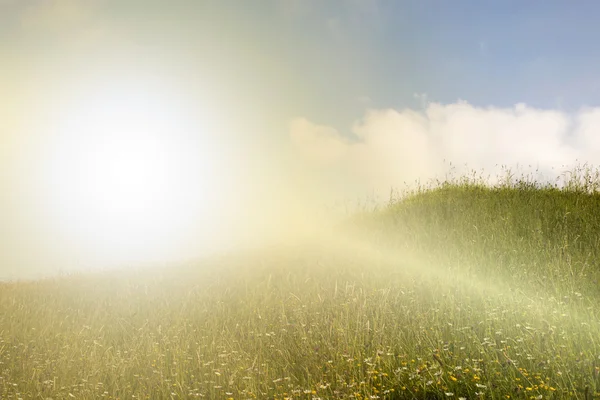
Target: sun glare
[131, 175]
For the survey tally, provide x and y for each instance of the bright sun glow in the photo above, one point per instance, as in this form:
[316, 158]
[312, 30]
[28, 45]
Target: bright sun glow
[131, 175]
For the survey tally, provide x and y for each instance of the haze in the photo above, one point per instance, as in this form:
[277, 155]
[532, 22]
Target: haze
[142, 132]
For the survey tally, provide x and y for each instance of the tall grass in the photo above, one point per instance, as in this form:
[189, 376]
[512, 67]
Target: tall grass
[459, 289]
[546, 234]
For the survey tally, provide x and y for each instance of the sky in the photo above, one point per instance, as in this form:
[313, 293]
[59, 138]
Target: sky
[259, 111]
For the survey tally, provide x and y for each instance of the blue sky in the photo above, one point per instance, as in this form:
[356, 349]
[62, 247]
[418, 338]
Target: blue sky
[484, 52]
[270, 62]
[285, 102]
[345, 52]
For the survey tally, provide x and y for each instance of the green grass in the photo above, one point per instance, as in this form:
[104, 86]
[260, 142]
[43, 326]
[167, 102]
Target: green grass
[459, 289]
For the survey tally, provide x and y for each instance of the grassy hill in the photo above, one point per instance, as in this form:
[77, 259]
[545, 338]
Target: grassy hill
[459, 290]
[538, 235]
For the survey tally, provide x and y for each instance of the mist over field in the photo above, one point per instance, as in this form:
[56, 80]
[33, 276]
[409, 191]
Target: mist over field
[287, 199]
[127, 138]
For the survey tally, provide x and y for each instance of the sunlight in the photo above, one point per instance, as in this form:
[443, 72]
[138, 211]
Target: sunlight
[132, 175]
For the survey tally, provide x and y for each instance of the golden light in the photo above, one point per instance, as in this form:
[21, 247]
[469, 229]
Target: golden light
[133, 174]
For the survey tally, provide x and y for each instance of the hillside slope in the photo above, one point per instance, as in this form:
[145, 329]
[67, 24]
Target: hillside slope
[459, 291]
[517, 232]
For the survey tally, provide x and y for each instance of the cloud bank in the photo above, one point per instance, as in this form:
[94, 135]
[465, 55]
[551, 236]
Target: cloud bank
[389, 147]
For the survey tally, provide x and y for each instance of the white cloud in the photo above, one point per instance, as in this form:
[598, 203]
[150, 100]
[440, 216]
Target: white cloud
[389, 147]
[321, 145]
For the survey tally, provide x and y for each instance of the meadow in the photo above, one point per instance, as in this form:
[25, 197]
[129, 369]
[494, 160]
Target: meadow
[459, 289]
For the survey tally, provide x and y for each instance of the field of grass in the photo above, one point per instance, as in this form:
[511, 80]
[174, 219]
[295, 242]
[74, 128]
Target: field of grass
[459, 290]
